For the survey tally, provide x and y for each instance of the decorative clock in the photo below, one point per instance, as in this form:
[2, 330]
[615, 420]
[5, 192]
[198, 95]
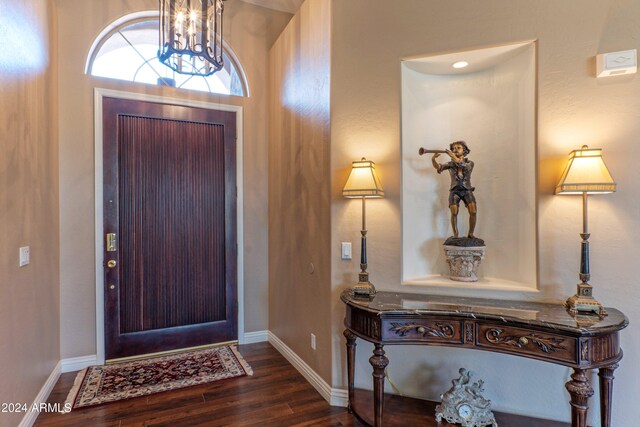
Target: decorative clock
[464, 404]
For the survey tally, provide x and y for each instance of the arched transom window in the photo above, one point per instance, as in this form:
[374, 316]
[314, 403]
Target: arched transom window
[128, 50]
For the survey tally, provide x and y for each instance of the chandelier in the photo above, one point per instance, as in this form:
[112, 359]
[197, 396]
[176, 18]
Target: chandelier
[191, 36]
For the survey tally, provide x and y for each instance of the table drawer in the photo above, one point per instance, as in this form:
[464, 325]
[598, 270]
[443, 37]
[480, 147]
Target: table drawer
[422, 330]
[526, 343]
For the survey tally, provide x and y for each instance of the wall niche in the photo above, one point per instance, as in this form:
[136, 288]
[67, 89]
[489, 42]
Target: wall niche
[490, 104]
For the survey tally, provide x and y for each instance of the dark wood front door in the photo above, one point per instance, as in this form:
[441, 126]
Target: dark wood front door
[170, 227]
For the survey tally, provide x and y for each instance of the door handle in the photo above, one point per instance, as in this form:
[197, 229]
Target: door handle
[112, 242]
[111, 263]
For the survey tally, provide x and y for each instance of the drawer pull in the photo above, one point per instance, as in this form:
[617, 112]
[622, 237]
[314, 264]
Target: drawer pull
[546, 344]
[441, 330]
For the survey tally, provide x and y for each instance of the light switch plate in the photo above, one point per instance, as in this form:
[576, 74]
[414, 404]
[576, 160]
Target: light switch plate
[346, 250]
[24, 256]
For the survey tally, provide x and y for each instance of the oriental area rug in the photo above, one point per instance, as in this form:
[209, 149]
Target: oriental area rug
[97, 385]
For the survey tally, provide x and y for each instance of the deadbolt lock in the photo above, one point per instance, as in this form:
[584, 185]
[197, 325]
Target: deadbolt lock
[111, 263]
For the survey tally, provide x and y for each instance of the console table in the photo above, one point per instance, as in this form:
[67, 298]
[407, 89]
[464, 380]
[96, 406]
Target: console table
[533, 330]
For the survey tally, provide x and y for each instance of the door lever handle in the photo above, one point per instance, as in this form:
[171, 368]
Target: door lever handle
[112, 243]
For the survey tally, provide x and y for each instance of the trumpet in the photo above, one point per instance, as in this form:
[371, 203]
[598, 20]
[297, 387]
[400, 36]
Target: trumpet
[422, 151]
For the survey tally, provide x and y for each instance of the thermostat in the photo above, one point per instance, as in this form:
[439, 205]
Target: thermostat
[616, 63]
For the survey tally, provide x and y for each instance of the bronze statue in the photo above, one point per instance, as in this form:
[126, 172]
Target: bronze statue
[460, 168]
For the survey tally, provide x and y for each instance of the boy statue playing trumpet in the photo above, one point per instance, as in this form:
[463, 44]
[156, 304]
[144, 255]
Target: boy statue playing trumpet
[460, 168]
[463, 254]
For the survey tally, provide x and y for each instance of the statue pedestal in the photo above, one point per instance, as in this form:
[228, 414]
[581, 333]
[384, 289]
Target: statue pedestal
[464, 261]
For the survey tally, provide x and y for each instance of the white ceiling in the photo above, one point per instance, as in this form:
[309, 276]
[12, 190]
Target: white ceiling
[290, 6]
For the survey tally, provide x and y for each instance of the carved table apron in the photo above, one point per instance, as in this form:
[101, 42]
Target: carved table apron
[533, 330]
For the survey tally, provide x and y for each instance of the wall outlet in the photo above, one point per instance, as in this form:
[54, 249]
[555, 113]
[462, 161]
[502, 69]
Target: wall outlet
[313, 342]
[24, 256]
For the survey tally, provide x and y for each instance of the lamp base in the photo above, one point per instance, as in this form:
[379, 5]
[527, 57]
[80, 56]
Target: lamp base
[364, 287]
[584, 304]
[363, 290]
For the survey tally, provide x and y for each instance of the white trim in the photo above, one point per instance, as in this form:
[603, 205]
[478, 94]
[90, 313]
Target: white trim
[100, 93]
[254, 337]
[30, 417]
[339, 397]
[99, 225]
[73, 364]
[239, 214]
[335, 396]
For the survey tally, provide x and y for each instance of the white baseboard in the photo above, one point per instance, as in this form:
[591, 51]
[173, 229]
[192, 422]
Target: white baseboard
[254, 337]
[335, 396]
[73, 364]
[339, 397]
[30, 417]
[63, 366]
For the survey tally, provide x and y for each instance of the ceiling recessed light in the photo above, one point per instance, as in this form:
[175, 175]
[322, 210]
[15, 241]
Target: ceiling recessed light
[460, 64]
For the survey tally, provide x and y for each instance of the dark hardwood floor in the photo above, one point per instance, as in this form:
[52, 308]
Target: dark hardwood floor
[276, 395]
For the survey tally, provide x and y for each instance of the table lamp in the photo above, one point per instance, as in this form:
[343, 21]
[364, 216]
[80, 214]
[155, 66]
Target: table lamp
[363, 182]
[585, 174]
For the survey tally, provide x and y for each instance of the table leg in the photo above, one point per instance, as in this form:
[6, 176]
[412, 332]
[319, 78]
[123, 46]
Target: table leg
[379, 362]
[606, 393]
[351, 363]
[580, 391]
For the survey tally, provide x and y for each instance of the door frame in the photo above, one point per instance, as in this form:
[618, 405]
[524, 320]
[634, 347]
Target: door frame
[99, 94]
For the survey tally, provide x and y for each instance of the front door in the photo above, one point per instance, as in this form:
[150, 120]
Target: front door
[170, 227]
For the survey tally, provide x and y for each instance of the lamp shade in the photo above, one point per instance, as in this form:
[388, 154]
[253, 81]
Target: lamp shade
[363, 181]
[586, 173]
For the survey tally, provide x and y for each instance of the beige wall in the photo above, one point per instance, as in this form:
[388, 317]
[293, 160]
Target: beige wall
[307, 167]
[250, 31]
[299, 187]
[369, 38]
[29, 301]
